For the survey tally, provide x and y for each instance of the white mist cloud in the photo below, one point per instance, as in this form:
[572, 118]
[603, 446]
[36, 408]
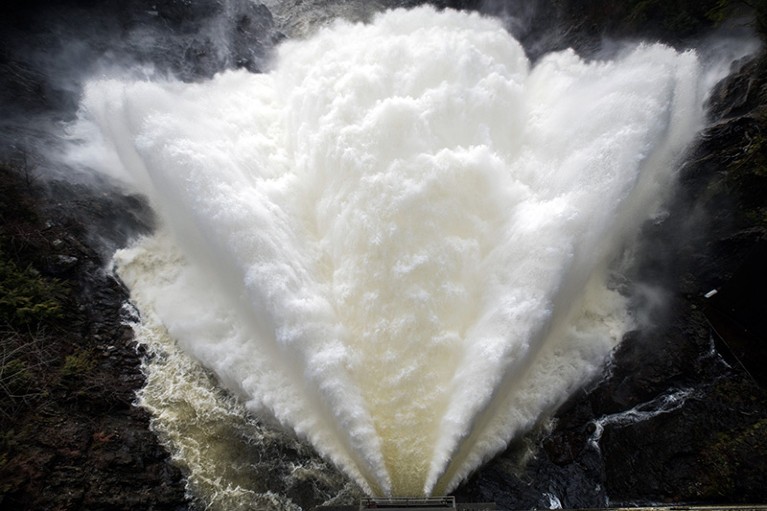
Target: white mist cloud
[394, 242]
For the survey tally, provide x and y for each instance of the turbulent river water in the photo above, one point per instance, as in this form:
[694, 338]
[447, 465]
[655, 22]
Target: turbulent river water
[398, 244]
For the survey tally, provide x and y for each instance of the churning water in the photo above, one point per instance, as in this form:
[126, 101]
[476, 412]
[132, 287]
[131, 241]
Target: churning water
[396, 242]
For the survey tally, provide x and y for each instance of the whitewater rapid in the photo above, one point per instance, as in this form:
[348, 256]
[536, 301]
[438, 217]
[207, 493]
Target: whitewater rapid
[396, 242]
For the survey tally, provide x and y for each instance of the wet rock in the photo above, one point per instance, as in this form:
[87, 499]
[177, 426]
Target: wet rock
[680, 456]
[740, 94]
[62, 264]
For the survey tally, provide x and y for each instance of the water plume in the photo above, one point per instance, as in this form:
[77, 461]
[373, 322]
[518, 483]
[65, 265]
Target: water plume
[396, 242]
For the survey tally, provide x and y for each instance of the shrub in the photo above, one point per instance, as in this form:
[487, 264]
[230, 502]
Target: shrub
[23, 359]
[77, 365]
[27, 298]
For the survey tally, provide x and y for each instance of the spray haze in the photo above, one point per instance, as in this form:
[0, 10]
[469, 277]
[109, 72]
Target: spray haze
[395, 243]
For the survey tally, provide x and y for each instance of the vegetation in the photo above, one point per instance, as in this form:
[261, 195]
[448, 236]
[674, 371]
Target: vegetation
[26, 297]
[728, 455]
[32, 304]
[25, 357]
[747, 176]
[68, 372]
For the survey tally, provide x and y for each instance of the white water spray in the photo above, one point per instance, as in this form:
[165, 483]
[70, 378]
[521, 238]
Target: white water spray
[395, 242]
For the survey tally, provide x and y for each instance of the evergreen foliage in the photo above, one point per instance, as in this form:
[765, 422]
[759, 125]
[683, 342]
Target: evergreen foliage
[27, 298]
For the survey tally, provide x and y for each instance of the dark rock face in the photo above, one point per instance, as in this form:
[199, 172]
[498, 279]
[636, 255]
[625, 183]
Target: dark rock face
[72, 438]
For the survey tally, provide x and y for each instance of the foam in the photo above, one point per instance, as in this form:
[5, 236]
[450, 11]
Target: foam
[395, 242]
